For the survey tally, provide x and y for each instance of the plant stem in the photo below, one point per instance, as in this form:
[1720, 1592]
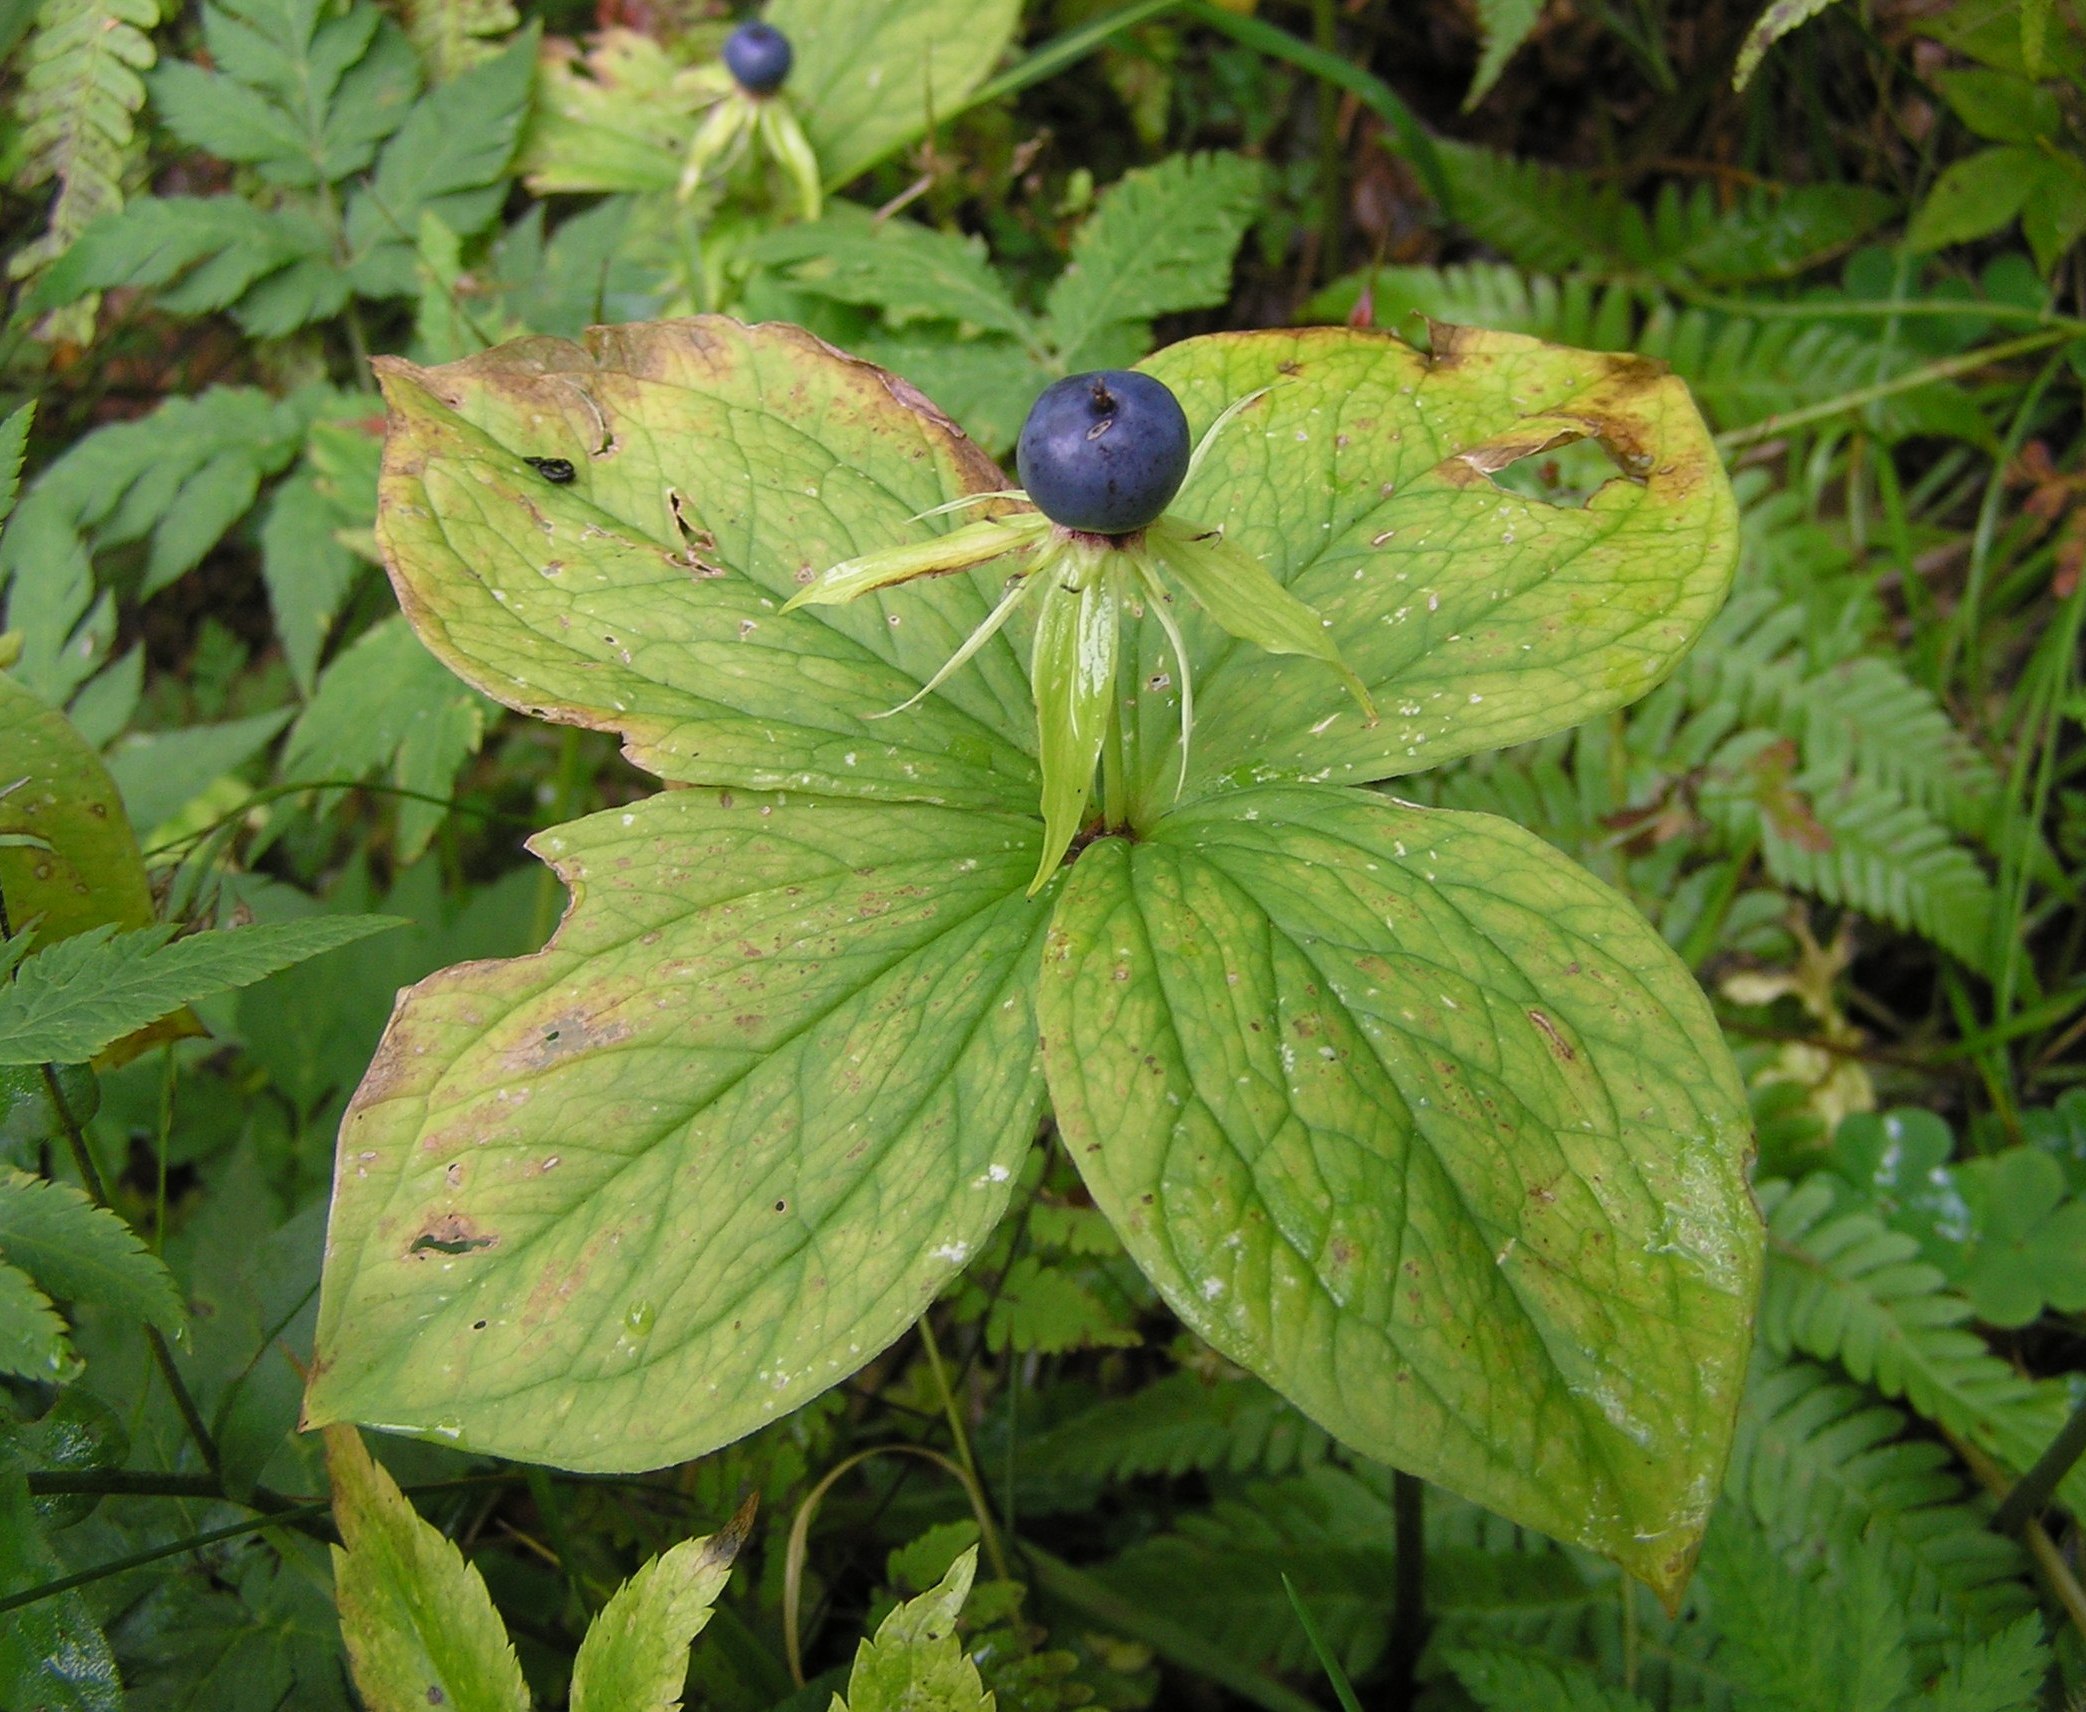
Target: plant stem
[137, 1560]
[2032, 1491]
[1059, 52]
[1115, 770]
[1946, 369]
[2057, 1574]
[1409, 1597]
[162, 1352]
[963, 1444]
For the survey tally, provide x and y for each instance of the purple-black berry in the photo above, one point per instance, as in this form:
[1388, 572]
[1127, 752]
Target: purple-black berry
[1104, 452]
[758, 56]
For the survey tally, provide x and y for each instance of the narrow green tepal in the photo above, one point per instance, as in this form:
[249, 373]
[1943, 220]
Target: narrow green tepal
[1427, 1127]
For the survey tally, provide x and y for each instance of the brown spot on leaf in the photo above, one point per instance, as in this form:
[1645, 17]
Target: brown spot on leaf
[1558, 1043]
[450, 1233]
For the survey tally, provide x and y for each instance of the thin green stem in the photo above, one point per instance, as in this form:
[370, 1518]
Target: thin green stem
[1409, 1593]
[962, 1443]
[162, 1352]
[1061, 52]
[2032, 1491]
[138, 1560]
[1947, 368]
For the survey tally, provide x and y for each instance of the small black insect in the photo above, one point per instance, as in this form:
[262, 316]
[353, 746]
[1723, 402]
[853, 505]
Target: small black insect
[557, 470]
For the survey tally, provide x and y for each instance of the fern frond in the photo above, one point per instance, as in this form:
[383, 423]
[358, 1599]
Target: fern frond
[1744, 370]
[1823, 1466]
[1500, 1680]
[1178, 1425]
[81, 90]
[1844, 1287]
[1330, 1530]
[1863, 717]
[1544, 217]
[1851, 841]
[1770, 232]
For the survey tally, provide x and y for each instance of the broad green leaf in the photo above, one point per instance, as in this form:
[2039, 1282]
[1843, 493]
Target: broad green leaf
[79, 1252]
[2025, 1249]
[161, 772]
[1424, 1125]
[915, 1663]
[34, 1342]
[635, 1655]
[53, 1655]
[709, 1152]
[387, 702]
[987, 385]
[70, 1000]
[53, 787]
[1160, 240]
[1999, 107]
[1977, 195]
[871, 75]
[420, 1627]
[1475, 616]
[719, 469]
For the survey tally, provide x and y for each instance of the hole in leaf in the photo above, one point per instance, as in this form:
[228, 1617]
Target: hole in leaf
[425, 1244]
[1565, 474]
[452, 1233]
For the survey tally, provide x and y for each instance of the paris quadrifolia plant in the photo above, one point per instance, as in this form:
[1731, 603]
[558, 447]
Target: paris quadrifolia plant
[1396, 1106]
[749, 108]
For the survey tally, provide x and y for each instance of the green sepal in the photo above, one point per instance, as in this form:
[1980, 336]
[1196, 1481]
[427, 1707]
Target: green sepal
[1243, 598]
[938, 555]
[1073, 672]
[717, 140]
[787, 145]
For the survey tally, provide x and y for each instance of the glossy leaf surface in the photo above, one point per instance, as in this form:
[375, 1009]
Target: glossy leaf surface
[1427, 1127]
[704, 1156]
[84, 869]
[872, 74]
[420, 1627]
[635, 1655]
[1476, 617]
[719, 469]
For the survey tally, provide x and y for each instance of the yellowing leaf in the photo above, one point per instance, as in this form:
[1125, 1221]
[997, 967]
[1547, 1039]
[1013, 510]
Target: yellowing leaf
[762, 1097]
[635, 1655]
[420, 1627]
[1425, 1126]
[1475, 617]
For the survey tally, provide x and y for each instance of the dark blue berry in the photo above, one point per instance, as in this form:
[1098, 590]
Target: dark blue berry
[1104, 452]
[759, 56]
